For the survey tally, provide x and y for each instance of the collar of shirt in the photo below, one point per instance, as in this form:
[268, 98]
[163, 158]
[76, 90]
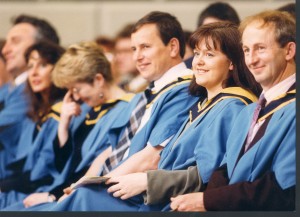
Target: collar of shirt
[280, 88]
[21, 78]
[173, 73]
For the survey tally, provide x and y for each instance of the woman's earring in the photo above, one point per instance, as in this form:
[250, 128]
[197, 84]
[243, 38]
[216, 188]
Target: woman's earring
[101, 95]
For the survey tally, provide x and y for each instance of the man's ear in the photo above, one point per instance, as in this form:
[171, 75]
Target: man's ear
[231, 66]
[290, 50]
[174, 47]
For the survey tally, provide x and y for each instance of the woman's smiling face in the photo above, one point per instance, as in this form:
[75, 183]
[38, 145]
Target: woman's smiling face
[211, 66]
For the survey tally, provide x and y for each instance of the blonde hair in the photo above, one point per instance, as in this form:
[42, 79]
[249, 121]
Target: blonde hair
[284, 25]
[80, 63]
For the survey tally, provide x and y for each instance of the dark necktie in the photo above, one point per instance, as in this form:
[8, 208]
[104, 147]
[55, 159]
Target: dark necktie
[260, 105]
[148, 92]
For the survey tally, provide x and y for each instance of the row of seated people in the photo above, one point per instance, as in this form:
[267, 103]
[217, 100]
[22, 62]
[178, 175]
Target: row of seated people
[186, 143]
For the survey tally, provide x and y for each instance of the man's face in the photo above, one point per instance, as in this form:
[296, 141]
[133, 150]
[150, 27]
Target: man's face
[151, 56]
[18, 39]
[263, 56]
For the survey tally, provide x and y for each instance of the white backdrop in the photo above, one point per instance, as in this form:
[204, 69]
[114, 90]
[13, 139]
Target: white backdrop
[78, 20]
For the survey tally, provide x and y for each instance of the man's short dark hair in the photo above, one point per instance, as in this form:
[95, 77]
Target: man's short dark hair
[167, 25]
[45, 31]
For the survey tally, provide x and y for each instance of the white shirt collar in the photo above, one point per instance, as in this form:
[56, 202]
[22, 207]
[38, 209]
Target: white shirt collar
[21, 78]
[172, 74]
[280, 88]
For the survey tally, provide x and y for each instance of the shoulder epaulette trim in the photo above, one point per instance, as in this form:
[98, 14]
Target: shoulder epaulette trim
[103, 109]
[178, 81]
[232, 92]
[127, 97]
[278, 103]
[55, 112]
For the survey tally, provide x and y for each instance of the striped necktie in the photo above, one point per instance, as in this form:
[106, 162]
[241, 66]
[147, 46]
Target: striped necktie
[260, 105]
[125, 140]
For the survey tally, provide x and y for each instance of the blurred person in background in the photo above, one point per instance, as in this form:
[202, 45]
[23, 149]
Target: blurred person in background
[26, 31]
[108, 45]
[188, 49]
[4, 75]
[39, 125]
[215, 12]
[290, 8]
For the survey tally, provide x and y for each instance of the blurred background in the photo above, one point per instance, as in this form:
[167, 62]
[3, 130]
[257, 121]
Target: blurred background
[77, 20]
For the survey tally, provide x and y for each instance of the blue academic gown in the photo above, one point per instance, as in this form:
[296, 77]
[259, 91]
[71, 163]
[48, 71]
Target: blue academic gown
[3, 91]
[169, 111]
[31, 150]
[211, 127]
[47, 154]
[258, 177]
[275, 152]
[25, 144]
[96, 142]
[14, 103]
